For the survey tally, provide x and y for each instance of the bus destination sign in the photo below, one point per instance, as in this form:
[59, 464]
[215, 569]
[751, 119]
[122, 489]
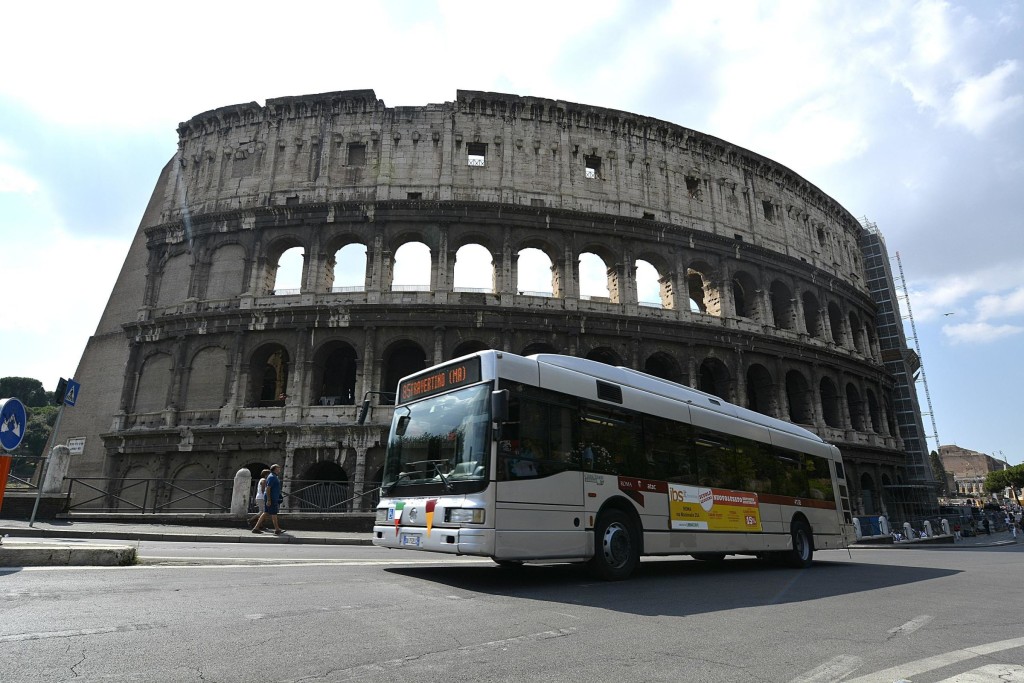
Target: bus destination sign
[440, 380]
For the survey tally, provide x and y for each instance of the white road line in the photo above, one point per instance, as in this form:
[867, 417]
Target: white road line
[832, 670]
[911, 626]
[993, 673]
[903, 671]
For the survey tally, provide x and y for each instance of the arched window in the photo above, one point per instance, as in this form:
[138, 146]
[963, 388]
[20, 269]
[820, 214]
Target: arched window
[349, 274]
[835, 321]
[783, 314]
[288, 272]
[799, 396]
[174, 281]
[874, 412]
[714, 378]
[404, 358]
[651, 288]
[856, 407]
[830, 403]
[744, 294]
[534, 273]
[412, 268]
[664, 366]
[474, 269]
[812, 318]
[207, 379]
[321, 488]
[604, 355]
[593, 278]
[760, 390]
[227, 272]
[268, 376]
[154, 384]
[334, 375]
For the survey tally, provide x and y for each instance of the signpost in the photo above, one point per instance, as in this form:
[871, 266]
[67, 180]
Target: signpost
[68, 395]
[13, 419]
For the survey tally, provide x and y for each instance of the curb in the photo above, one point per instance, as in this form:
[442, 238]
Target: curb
[241, 537]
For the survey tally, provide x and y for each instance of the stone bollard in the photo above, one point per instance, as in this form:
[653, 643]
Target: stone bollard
[240, 493]
[56, 469]
[945, 528]
[908, 531]
[928, 528]
[856, 528]
[883, 524]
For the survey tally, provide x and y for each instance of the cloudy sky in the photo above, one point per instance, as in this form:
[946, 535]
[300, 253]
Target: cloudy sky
[908, 113]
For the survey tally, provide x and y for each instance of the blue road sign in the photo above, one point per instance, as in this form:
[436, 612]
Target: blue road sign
[71, 393]
[13, 419]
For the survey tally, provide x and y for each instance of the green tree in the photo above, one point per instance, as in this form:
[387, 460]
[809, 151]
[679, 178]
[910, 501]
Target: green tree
[27, 390]
[939, 470]
[1011, 478]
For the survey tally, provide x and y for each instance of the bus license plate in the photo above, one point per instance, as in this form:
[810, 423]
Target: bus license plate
[411, 539]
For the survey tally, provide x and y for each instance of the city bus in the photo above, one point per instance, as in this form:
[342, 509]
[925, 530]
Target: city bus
[553, 458]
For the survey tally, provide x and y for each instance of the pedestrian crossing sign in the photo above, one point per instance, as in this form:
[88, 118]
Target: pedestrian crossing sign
[71, 393]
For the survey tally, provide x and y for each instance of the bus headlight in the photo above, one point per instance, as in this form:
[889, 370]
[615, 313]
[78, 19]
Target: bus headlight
[464, 515]
[382, 516]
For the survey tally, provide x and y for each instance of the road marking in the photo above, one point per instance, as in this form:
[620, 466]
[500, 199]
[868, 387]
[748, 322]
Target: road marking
[993, 673]
[911, 626]
[832, 670]
[903, 671]
[43, 635]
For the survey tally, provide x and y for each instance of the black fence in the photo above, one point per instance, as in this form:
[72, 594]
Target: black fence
[160, 496]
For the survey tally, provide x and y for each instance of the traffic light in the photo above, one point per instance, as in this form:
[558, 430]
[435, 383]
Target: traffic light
[58, 395]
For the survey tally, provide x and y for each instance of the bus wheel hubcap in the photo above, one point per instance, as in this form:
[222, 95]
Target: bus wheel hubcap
[616, 545]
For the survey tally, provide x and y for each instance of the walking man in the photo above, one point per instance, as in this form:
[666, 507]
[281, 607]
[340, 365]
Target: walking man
[273, 502]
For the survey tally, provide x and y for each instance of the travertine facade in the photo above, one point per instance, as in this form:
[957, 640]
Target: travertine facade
[763, 299]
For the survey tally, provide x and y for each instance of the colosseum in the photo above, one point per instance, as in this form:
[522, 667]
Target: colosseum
[203, 364]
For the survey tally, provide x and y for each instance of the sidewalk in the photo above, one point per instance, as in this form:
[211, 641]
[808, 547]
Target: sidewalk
[46, 547]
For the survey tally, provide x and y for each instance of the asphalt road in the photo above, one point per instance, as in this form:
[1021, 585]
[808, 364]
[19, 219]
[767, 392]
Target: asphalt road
[231, 612]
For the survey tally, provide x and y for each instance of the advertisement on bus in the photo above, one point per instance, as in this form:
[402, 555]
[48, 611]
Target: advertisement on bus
[695, 508]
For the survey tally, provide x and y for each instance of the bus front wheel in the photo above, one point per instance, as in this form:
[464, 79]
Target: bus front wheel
[617, 546]
[802, 553]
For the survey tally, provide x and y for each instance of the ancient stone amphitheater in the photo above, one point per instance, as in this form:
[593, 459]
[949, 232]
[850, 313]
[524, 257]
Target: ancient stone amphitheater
[202, 364]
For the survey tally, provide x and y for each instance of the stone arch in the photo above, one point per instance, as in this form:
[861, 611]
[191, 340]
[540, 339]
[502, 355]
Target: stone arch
[411, 267]
[207, 379]
[535, 271]
[798, 394]
[855, 406]
[835, 322]
[474, 269]
[335, 370]
[663, 365]
[400, 359]
[346, 269]
[193, 478]
[760, 390]
[537, 347]
[132, 489]
[467, 347]
[603, 354]
[856, 332]
[664, 285]
[830, 403]
[269, 370]
[783, 310]
[597, 280]
[226, 278]
[153, 389]
[744, 296]
[868, 494]
[174, 280]
[322, 487]
[874, 412]
[714, 378]
[704, 294]
[812, 315]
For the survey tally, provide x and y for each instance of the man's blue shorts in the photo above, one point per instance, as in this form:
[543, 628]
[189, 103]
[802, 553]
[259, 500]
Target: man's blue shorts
[272, 508]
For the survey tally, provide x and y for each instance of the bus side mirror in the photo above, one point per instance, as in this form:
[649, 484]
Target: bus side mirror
[363, 410]
[499, 406]
[403, 424]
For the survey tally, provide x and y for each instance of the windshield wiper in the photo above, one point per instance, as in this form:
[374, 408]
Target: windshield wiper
[437, 468]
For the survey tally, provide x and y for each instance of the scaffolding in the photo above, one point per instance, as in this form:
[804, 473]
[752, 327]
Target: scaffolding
[917, 496]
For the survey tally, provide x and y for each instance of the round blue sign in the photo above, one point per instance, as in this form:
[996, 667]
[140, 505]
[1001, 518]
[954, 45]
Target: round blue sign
[13, 419]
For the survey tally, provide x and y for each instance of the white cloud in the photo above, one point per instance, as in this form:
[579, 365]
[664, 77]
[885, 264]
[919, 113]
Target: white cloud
[979, 333]
[980, 102]
[1001, 305]
[15, 180]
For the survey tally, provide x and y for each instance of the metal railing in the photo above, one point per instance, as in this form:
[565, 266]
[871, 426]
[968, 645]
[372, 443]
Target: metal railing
[160, 496]
[23, 471]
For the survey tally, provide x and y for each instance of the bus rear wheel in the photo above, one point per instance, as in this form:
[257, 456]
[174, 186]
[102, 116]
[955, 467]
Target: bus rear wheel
[617, 546]
[802, 553]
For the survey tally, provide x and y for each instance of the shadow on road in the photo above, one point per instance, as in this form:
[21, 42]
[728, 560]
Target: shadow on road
[677, 587]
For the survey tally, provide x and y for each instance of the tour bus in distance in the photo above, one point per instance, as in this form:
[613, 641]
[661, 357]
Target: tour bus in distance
[552, 458]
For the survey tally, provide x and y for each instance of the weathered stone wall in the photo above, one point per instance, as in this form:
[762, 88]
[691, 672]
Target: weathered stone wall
[207, 368]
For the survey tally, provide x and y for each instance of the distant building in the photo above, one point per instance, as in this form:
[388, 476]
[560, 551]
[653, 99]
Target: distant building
[969, 469]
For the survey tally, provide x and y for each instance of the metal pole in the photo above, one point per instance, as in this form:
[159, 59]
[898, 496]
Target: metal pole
[41, 470]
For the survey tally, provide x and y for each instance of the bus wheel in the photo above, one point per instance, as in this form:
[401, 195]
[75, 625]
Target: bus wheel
[708, 557]
[617, 551]
[803, 546]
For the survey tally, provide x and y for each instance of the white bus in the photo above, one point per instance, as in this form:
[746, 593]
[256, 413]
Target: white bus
[559, 459]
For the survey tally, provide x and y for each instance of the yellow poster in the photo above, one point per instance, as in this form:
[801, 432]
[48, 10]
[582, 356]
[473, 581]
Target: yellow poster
[693, 508]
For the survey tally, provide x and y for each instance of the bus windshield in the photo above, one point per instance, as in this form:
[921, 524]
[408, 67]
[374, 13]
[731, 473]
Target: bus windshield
[439, 445]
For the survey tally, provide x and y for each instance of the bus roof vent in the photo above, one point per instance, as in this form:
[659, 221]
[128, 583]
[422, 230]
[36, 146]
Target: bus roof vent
[609, 392]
